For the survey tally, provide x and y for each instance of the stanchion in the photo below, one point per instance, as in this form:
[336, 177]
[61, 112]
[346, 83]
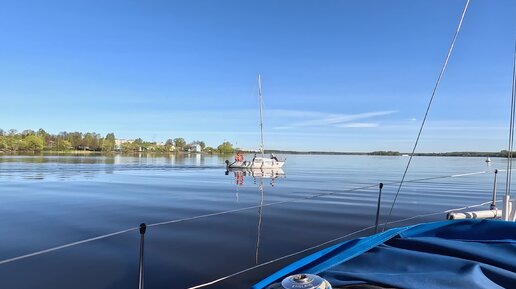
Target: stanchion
[378, 208]
[143, 227]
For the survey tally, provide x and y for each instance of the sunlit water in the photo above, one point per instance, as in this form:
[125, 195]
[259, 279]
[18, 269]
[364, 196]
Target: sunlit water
[48, 201]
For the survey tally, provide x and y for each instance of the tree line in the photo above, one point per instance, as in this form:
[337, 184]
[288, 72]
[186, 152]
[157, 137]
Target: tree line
[40, 140]
[30, 140]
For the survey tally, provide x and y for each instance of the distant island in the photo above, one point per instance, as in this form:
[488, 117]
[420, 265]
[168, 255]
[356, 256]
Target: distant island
[502, 153]
[38, 141]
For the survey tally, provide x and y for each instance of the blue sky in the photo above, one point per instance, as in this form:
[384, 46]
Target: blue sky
[337, 75]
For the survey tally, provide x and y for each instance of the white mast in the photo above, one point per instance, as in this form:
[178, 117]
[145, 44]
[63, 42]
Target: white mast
[261, 116]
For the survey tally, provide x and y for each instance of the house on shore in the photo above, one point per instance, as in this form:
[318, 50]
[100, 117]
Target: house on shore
[194, 148]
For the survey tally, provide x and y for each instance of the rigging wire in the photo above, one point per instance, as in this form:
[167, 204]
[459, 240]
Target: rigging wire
[67, 245]
[428, 108]
[511, 135]
[9, 260]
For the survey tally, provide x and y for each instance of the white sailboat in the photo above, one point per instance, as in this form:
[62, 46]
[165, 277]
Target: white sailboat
[257, 162]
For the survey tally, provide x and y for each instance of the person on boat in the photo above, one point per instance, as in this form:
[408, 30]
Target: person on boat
[239, 157]
[274, 157]
[254, 157]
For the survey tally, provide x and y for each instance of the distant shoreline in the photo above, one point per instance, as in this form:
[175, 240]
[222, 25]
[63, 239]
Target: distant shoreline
[78, 143]
[502, 154]
[390, 153]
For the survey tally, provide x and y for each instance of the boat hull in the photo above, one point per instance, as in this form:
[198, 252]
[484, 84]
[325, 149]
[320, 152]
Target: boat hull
[271, 173]
[257, 163]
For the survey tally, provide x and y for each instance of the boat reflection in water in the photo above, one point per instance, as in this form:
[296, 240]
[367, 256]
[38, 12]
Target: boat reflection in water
[272, 174]
[258, 175]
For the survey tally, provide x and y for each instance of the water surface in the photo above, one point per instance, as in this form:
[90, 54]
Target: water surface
[48, 201]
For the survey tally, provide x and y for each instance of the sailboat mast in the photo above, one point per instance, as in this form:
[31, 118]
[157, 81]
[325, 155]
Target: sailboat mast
[261, 114]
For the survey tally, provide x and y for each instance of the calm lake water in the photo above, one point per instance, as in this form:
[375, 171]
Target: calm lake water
[48, 201]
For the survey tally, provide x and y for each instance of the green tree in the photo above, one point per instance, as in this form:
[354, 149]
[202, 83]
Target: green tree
[3, 143]
[129, 147]
[48, 139]
[34, 143]
[168, 145]
[225, 147]
[95, 143]
[75, 138]
[209, 150]
[10, 143]
[20, 145]
[27, 132]
[179, 142]
[108, 144]
[63, 145]
[42, 133]
[87, 141]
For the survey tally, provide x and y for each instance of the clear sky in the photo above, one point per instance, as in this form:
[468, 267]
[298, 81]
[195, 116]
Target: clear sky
[337, 75]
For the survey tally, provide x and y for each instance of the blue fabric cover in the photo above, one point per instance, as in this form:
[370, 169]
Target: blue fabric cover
[447, 254]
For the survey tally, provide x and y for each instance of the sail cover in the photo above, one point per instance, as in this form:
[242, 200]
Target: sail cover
[447, 254]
